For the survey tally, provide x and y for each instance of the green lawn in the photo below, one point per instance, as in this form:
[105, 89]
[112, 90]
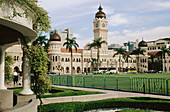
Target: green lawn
[58, 92]
[154, 75]
[135, 102]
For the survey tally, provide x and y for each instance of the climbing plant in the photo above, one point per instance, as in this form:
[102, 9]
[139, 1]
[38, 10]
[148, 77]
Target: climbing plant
[42, 20]
[9, 61]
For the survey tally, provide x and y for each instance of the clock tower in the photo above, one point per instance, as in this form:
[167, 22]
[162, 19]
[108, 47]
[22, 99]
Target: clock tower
[101, 28]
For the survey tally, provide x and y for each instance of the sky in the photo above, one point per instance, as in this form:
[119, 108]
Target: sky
[128, 20]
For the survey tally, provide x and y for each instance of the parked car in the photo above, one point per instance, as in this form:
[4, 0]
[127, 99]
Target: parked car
[160, 71]
[51, 73]
[151, 71]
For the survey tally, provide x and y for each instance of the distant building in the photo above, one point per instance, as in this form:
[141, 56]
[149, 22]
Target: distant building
[130, 45]
[113, 46]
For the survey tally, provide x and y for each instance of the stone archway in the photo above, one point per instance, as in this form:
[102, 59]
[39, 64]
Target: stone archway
[78, 69]
[67, 69]
[62, 69]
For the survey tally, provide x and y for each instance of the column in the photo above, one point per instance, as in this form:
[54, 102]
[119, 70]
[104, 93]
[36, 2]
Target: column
[2, 69]
[26, 75]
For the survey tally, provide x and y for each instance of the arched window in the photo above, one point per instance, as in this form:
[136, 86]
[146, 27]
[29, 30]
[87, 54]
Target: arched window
[17, 58]
[53, 58]
[62, 59]
[67, 69]
[53, 68]
[56, 58]
[78, 69]
[77, 60]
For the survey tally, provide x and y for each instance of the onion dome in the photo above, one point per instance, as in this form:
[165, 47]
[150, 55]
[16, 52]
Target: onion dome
[54, 36]
[142, 44]
[100, 13]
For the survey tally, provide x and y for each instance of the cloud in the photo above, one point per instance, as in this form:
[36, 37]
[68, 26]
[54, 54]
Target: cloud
[118, 19]
[83, 42]
[76, 35]
[146, 34]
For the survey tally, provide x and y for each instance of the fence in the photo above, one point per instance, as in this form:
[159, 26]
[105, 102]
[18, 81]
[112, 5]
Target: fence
[135, 84]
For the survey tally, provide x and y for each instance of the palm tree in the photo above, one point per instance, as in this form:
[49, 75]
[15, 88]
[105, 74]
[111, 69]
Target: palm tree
[152, 57]
[126, 58]
[97, 43]
[93, 62]
[137, 52]
[163, 53]
[42, 41]
[119, 51]
[70, 43]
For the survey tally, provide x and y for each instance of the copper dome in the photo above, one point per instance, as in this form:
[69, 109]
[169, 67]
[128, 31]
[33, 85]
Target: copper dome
[100, 13]
[54, 36]
[142, 44]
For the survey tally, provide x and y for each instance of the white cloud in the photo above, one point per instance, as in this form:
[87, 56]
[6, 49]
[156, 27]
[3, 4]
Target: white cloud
[76, 35]
[82, 43]
[118, 19]
[147, 35]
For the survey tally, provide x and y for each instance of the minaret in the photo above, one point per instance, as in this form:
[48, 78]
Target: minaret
[101, 28]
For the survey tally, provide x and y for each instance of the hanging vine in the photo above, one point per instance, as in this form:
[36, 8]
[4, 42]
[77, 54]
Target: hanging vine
[42, 20]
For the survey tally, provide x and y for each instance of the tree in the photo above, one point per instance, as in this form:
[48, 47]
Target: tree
[126, 57]
[42, 41]
[93, 63]
[70, 43]
[152, 57]
[39, 60]
[163, 53]
[97, 43]
[119, 51]
[9, 61]
[137, 52]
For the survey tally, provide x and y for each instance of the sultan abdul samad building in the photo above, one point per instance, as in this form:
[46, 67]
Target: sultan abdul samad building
[60, 57]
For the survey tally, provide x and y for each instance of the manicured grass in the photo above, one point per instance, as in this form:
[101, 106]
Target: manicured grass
[137, 102]
[154, 75]
[58, 92]
[69, 92]
[133, 110]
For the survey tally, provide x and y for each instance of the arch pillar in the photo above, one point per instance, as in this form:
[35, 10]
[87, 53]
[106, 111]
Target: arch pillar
[2, 69]
[26, 75]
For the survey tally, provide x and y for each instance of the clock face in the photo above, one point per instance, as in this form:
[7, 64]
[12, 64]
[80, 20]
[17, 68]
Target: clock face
[103, 25]
[96, 25]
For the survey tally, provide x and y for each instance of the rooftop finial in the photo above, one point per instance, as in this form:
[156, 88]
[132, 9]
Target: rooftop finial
[100, 8]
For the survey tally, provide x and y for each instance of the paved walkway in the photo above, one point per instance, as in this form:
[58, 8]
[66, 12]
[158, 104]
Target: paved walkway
[118, 94]
[107, 94]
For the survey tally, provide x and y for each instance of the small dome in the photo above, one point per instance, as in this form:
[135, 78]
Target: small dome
[142, 44]
[54, 36]
[100, 13]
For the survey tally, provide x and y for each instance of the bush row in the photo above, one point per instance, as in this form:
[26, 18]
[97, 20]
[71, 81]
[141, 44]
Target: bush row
[150, 103]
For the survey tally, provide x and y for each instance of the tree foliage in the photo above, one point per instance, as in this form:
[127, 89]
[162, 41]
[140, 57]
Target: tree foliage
[120, 52]
[42, 41]
[39, 61]
[97, 43]
[70, 43]
[42, 20]
[137, 52]
[9, 61]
